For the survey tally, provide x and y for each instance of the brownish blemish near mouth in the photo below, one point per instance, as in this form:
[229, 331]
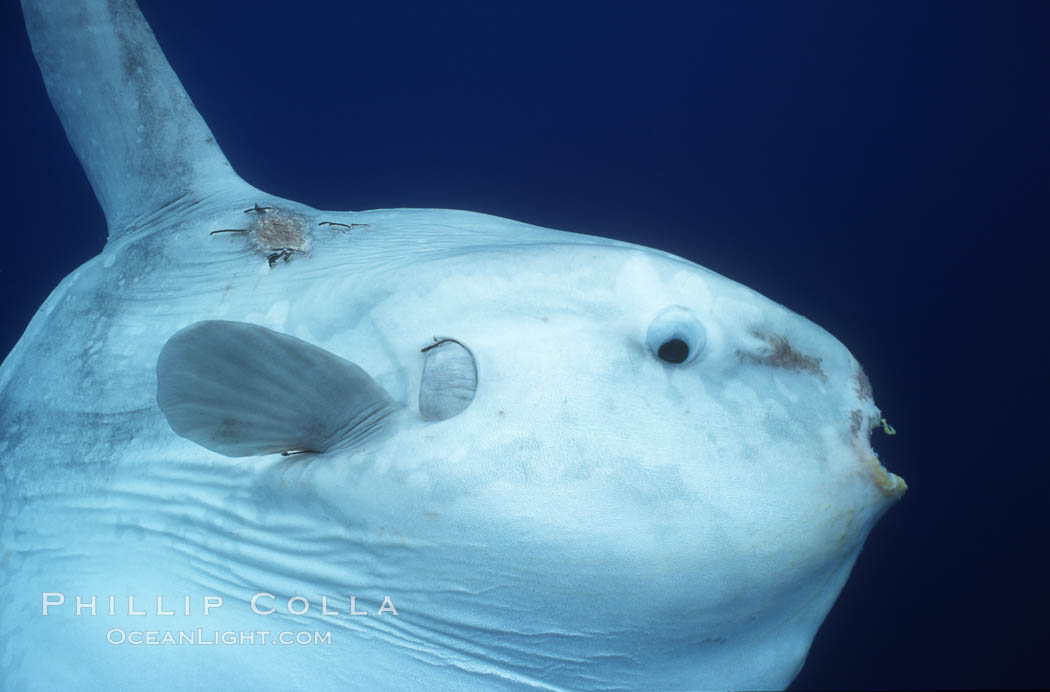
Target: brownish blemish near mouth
[862, 385]
[856, 419]
[783, 355]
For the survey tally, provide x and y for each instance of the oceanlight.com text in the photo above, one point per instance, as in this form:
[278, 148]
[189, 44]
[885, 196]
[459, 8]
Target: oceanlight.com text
[202, 637]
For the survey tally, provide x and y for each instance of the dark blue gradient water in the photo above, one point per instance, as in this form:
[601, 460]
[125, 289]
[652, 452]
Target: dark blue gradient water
[881, 168]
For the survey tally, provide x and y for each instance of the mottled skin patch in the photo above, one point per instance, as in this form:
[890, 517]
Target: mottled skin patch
[783, 355]
[856, 421]
[862, 385]
[276, 232]
[276, 228]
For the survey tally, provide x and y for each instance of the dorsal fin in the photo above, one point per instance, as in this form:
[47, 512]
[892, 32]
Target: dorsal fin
[135, 130]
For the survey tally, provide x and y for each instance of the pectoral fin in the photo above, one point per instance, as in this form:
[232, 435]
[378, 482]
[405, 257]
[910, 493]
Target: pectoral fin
[243, 390]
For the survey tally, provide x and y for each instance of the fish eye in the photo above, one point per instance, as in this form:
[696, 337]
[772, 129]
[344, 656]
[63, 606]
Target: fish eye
[673, 351]
[675, 336]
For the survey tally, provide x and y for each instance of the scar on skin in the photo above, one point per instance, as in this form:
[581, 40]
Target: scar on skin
[783, 355]
[343, 227]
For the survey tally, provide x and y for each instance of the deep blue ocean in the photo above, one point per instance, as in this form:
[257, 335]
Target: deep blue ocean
[882, 168]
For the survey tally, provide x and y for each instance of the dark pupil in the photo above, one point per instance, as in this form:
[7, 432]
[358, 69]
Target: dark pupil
[673, 351]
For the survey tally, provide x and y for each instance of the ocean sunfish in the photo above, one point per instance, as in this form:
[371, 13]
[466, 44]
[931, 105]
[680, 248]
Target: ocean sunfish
[257, 445]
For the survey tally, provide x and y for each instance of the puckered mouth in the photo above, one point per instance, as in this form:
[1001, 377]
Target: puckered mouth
[891, 485]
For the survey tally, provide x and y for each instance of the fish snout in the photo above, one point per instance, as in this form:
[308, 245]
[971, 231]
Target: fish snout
[863, 427]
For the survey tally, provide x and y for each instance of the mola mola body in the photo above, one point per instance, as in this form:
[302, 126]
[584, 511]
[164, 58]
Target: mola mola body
[283, 447]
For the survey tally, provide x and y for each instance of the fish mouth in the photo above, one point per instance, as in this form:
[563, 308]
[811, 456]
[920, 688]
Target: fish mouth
[890, 484]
